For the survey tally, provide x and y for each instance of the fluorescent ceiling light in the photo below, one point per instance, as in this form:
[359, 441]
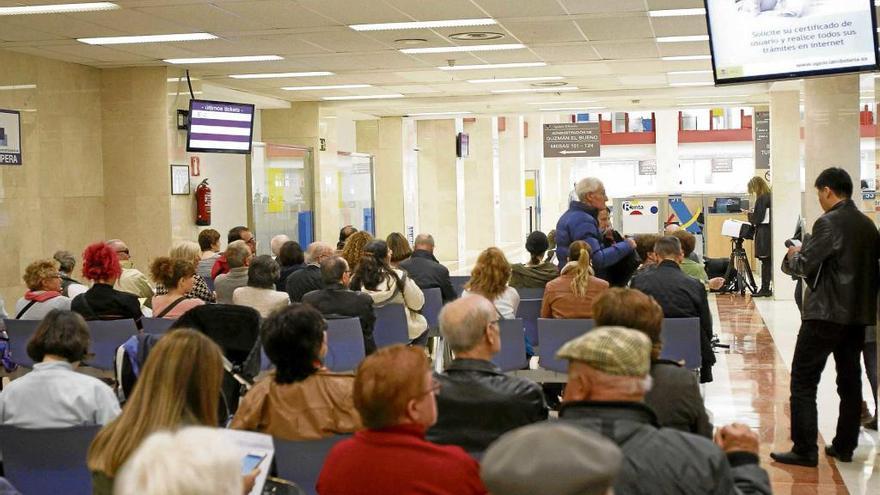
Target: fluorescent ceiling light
[366, 97]
[572, 109]
[60, 8]
[685, 84]
[537, 90]
[687, 72]
[18, 86]
[185, 93]
[513, 65]
[469, 48]
[715, 103]
[686, 57]
[710, 96]
[318, 88]
[569, 102]
[515, 79]
[220, 60]
[152, 38]
[682, 39]
[388, 26]
[430, 114]
[181, 78]
[273, 75]
[675, 12]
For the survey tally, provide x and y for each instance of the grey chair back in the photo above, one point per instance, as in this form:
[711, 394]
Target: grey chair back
[530, 310]
[530, 293]
[681, 341]
[554, 334]
[458, 282]
[20, 333]
[345, 344]
[391, 326]
[47, 460]
[156, 326]
[301, 461]
[432, 307]
[107, 336]
[513, 346]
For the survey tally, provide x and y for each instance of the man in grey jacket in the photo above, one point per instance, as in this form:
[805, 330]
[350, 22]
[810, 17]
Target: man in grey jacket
[607, 380]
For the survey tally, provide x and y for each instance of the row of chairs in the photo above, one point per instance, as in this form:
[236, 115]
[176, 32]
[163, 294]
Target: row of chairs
[32, 468]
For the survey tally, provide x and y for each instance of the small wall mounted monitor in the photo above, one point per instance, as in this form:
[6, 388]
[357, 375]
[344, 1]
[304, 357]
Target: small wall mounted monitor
[763, 40]
[220, 127]
[462, 145]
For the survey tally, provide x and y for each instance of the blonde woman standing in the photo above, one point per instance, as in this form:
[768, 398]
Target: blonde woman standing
[571, 295]
[760, 219]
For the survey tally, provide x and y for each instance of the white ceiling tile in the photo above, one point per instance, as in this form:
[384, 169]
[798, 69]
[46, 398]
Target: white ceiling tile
[626, 50]
[9, 31]
[677, 49]
[679, 26]
[580, 52]
[603, 6]
[643, 80]
[562, 31]
[355, 12]
[521, 8]
[277, 13]
[583, 70]
[618, 28]
[132, 22]
[341, 39]
[205, 17]
[62, 26]
[438, 10]
[674, 4]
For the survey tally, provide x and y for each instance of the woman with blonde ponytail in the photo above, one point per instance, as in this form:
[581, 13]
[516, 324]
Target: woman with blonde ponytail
[571, 295]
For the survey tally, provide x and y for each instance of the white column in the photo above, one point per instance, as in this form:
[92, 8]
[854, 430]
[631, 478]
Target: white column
[666, 126]
[785, 166]
[513, 221]
[831, 133]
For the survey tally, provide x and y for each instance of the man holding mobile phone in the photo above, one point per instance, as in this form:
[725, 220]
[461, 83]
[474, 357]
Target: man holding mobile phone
[839, 265]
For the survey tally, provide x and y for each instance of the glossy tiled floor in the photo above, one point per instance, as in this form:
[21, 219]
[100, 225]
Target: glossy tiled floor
[751, 386]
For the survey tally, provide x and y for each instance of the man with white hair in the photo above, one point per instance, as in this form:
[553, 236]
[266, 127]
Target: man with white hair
[301, 282]
[477, 402]
[581, 223]
[132, 280]
[608, 376]
[276, 243]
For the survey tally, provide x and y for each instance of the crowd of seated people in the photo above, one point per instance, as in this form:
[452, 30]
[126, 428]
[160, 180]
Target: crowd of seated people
[402, 414]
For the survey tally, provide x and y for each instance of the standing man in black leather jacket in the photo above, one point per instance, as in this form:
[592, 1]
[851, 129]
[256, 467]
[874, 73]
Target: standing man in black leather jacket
[477, 403]
[839, 266]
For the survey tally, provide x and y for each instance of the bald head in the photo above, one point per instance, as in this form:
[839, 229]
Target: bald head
[119, 246]
[424, 242]
[276, 243]
[319, 251]
[464, 325]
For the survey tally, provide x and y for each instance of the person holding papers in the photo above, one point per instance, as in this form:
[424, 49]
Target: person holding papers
[760, 219]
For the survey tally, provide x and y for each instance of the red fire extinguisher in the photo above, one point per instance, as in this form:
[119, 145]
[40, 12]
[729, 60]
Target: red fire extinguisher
[203, 203]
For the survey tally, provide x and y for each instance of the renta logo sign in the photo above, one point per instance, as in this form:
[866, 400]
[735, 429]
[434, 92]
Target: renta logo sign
[640, 208]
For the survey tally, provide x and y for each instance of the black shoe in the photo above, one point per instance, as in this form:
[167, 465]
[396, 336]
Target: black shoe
[763, 293]
[830, 451]
[871, 425]
[795, 459]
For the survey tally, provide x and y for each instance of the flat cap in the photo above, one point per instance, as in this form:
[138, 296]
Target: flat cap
[613, 350]
[551, 457]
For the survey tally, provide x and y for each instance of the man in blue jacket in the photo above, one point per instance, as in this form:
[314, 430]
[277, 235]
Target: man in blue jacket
[580, 223]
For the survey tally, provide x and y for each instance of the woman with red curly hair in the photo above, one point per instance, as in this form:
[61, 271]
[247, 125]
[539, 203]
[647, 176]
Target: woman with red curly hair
[489, 279]
[102, 302]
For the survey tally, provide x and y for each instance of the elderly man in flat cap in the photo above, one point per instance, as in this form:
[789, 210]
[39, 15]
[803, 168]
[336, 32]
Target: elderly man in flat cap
[608, 376]
[556, 458]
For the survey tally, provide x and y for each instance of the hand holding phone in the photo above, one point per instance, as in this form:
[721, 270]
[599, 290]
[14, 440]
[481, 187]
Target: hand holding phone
[250, 462]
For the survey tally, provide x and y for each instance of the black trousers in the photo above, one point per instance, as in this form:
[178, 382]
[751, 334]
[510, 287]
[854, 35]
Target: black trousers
[815, 341]
[766, 273]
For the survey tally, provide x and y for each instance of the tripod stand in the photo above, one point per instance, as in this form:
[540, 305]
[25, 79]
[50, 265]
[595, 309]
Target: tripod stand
[738, 276]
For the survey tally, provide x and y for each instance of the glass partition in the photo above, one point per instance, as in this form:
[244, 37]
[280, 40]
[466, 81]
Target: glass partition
[282, 194]
[356, 196]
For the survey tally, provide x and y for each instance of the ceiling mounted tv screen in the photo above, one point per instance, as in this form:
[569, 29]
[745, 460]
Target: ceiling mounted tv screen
[760, 40]
[220, 127]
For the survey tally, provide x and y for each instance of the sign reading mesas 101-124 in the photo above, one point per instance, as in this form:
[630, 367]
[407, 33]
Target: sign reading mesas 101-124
[571, 140]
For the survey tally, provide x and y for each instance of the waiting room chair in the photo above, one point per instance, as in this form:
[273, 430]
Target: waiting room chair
[38, 461]
[513, 346]
[530, 310]
[345, 344]
[681, 341]
[391, 326]
[432, 307]
[301, 461]
[156, 326]
[458, 282]
[554, 334]
[107, 336]
[265, 364]
[209, 282]
[20, 333]
[530, 293]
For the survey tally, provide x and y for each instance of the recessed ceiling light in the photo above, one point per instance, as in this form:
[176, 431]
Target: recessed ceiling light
[469, 48]
[514, 65]
[430, 114]
[411, 41]
[549, 84]
[684, 84]
[318, 88]
[686, 57]
[476, 36]
[682, 39]
[152, 38]
[18, 86]
[220, 60]
[60, 8]
[675, 12]
[536, 90]
[515, 79]
[567, 102]
[388, 26]
[687, 72]
[277, 75]
[570, 109]
[366, 97]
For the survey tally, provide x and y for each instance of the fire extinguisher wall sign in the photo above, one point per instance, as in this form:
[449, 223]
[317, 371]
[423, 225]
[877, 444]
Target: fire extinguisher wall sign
[203, 203]
[195, 166]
